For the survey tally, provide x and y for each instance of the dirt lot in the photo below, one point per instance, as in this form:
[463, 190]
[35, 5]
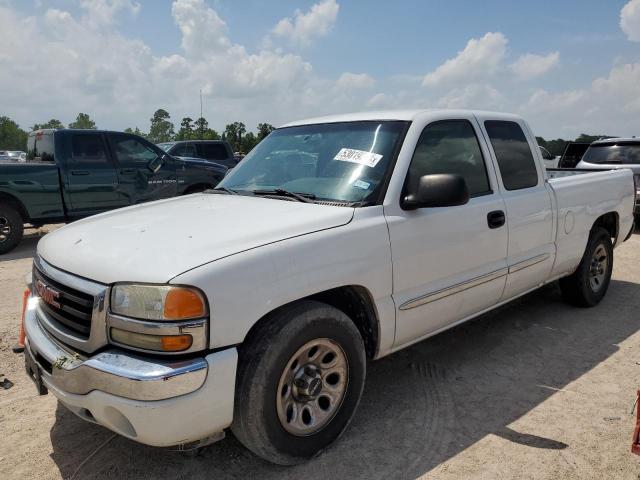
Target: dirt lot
[535, 390]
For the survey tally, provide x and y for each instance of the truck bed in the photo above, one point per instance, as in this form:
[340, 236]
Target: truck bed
[581, 195]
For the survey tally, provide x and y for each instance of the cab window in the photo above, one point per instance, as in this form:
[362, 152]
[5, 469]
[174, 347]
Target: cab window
[450, 146]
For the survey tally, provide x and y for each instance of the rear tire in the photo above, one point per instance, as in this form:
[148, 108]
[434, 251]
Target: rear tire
[587, 286]
[11, 228]
[300, 378]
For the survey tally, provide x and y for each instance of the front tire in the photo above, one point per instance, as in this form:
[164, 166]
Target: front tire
[587, 286]
[11, 228]
[300, 379]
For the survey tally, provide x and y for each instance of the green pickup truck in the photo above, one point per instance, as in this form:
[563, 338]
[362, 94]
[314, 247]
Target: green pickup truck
[71, 174]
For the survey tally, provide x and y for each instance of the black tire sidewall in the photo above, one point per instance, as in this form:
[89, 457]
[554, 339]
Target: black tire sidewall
[599, 237]
[17, 228]
[314, 323]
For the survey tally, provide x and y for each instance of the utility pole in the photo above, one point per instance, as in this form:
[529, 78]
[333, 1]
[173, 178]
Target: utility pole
[201, 126]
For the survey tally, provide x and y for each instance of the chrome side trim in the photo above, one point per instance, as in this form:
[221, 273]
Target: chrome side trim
[196, 328]
[516, 267]
[98, 335]
[460, 287]
[113, 371]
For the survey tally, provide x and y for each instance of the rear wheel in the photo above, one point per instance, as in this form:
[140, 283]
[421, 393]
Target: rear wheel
[11, 228]
[300, 379]
[587, 286]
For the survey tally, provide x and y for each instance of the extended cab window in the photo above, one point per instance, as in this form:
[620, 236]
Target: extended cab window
[517, 166]
[450, 146]
[184, 150]
[88, 149]
[213, 151]
[131, 150]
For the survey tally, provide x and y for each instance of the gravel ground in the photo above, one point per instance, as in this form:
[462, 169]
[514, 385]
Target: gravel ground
[536, 389]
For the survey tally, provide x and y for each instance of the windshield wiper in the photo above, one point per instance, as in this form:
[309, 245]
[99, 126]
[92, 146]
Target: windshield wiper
[280, 192]
[225, 190]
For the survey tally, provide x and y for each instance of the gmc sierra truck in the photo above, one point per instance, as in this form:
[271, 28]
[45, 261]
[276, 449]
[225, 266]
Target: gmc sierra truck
[71, 174]
[337, 240]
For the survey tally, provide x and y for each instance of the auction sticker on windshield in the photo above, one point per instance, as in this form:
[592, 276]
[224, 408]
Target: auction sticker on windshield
[369, 159]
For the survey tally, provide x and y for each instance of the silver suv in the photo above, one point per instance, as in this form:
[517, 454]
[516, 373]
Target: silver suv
[615, 153]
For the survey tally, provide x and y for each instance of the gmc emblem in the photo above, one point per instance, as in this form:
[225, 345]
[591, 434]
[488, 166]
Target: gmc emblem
[47, 293]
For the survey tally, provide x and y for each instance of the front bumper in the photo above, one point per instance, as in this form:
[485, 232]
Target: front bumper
[156, 402]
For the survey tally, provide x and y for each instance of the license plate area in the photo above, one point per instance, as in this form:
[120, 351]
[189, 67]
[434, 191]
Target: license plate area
[34, 372]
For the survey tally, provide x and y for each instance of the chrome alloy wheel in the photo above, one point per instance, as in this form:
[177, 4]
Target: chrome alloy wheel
[598, 268]
[5, 229]
[312, 387]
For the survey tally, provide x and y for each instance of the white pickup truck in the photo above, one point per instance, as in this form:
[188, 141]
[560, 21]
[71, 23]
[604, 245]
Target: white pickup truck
[337, 240]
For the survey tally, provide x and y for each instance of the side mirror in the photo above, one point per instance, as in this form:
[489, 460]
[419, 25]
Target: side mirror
[156, 164]
[437, 190]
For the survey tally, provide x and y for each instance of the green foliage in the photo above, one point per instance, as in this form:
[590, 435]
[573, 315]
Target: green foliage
[248, 142]
[161, 129]
[12, 137]
[186, 129]
[557, 146]
[137, 131]
[233, 133]
[264, 129]
[53, 123]
[83, 120]
[591, 138]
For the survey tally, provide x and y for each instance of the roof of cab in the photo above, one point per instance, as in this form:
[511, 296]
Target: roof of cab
[618, 139]
[402, 115]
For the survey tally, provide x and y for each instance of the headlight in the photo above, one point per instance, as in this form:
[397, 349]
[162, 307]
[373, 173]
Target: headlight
[157, 302]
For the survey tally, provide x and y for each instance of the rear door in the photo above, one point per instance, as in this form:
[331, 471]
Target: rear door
[215, 152]
[137, 183]
[91, 179]
[530, 218]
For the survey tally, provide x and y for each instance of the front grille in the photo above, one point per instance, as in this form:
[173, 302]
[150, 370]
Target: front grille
[66, 307]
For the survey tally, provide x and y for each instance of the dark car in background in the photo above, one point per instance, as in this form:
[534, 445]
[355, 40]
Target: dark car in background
[71, 174]
[217, 151]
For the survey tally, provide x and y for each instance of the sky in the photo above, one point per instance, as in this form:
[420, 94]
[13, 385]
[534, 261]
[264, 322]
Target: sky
[567, 66]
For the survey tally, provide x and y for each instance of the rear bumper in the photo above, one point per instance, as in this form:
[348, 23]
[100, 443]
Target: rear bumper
[153, 402]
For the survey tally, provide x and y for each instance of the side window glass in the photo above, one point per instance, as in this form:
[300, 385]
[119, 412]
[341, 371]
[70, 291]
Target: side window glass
[450, 146]
[185, 150]
[214, 151]
[88, 149]
[131, 151]
[515, 160]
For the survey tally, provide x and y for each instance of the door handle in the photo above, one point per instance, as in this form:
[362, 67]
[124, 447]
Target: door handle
[496, 219]
[79, 172]
[128, 171]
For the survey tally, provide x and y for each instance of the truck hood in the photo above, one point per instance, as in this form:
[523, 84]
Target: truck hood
[154, 242]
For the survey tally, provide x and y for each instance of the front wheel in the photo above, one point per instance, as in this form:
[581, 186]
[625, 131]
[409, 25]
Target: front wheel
[300, 379]
[11, 228]
[587, 286]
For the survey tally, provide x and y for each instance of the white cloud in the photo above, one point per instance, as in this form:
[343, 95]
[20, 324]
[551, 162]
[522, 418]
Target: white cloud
[630, 20]
[476, 96]
[531, 65]
[480, 58]
[303, 28]
[103, 12]
[350, 81]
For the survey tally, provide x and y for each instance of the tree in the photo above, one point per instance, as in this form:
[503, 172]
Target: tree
[161, 129]
[186, 129]
[233, 133]
[137, 131]
[264, 129]
[53, 123]
[202, 126]
[83, 120]
[12, 137]
[248, 142]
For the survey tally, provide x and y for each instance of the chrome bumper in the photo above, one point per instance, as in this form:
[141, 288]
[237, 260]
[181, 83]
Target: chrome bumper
[112, 371]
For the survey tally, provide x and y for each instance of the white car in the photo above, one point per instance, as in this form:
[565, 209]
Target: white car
[337, 240]
[614, 153]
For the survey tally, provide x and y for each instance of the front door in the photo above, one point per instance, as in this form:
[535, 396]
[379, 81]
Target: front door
[138, 184]
[448, 262]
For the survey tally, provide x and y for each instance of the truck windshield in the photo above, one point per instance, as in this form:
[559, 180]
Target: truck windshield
[618, 153]
[345, 162]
